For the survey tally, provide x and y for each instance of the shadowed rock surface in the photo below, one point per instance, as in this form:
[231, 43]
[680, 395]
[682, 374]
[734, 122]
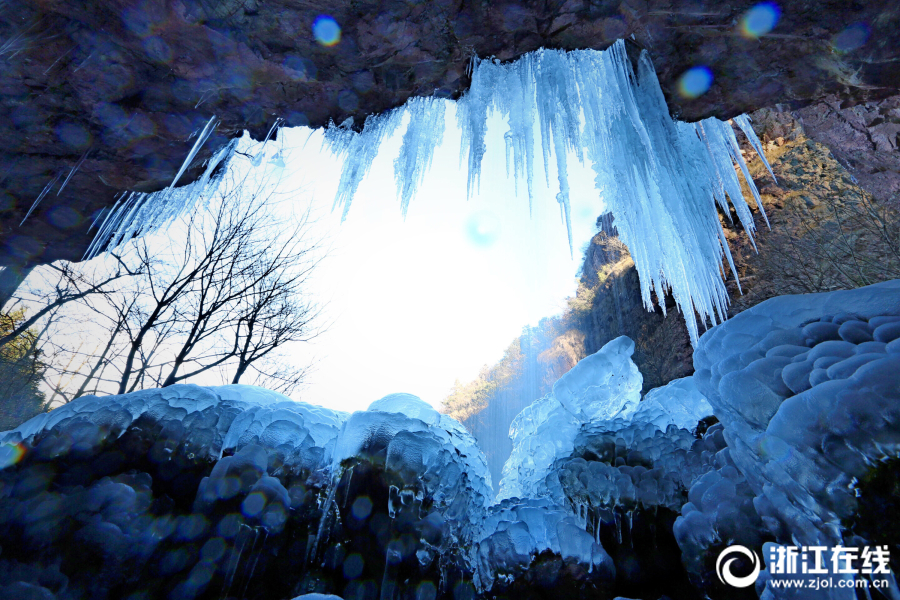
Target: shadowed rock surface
[125, 85]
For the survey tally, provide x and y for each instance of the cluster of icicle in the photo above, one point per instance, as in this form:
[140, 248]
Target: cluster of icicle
[138, 213]
[660, 178]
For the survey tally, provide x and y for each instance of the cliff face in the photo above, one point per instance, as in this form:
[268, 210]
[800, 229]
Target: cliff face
[864, 138]
[827, 231]
[119, 88]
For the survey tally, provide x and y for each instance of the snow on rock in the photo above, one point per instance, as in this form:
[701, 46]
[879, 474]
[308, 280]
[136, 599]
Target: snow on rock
[602, 386]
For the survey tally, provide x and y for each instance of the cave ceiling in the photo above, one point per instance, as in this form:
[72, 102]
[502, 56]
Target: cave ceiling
[121, 86]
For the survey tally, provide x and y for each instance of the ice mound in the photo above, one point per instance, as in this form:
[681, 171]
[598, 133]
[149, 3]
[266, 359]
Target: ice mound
[515, 532]
[677, 403]
[186, 491]
[602, 386]
[720, 511]
[434, 452]
[808, 390]
[214, 420]
[638, 464]
[411, 436]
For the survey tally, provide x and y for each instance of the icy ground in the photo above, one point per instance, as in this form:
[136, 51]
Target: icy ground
[236, 491]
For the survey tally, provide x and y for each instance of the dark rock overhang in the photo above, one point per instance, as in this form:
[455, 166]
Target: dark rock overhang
[119, 87]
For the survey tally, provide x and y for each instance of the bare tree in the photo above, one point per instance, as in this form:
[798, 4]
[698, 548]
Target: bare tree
[230, 298]
[72, 285]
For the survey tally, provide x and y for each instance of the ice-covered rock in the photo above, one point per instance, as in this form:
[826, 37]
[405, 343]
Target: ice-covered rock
[515, 532]
[215, 420]
[677, 403]
[438, 457]
[808, 390]
[601, 392]
[601, 387]
[209, 486]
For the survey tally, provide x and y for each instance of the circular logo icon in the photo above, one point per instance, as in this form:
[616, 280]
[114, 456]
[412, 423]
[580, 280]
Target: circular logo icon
[723, 570]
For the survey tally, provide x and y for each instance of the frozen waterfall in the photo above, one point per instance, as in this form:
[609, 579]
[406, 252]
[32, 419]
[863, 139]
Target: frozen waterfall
[661, 179]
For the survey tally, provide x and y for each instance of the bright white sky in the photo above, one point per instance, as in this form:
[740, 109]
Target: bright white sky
[414, 305]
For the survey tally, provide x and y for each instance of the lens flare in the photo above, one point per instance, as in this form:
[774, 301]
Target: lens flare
[759, 20]
[11, 454]
[851, 38]
[695, 82]
[326, 30]
[483, 228]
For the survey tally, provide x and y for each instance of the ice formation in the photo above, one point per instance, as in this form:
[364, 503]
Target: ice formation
[214, 419]
[358, 151]
[423, 134]
[807, 389]
[594, 405]
[600, 387]
[415, 437]
[514, 532]
[678, 403]
[138, 213]
[217, 491]
[660, 178]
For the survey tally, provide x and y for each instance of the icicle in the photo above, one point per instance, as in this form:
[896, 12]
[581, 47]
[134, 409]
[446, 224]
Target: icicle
[358, 151]
[257, 160]
[326, 510]
[735, 149]
[618, 526]
[743, 121]
[229, 578]
[256, 560]
[422, 136]
[388, 583]
[147, 213]
[44, 192]
[471, 115]
[101, 236]
[347, 493]
[201, 139]
[518, 104]
[72, 172]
